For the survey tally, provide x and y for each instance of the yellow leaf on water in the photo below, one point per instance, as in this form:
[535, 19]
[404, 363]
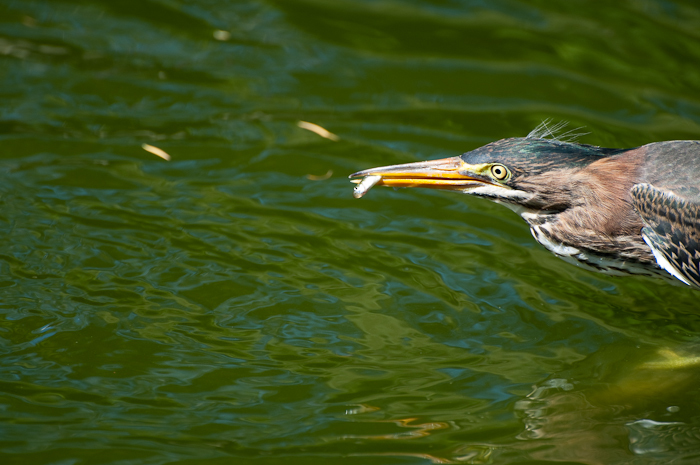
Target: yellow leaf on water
[156, 151]
[222, 35]
[318, 130]
[322, 177]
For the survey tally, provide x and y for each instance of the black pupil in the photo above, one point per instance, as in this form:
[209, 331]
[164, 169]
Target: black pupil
[498, 172]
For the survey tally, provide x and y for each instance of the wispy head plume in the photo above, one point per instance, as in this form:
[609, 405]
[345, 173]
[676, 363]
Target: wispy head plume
[553, 132]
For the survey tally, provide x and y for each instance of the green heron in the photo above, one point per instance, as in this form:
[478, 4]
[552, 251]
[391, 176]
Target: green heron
[618, 211]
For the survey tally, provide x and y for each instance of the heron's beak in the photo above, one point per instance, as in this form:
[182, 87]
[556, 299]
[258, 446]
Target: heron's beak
[447, 173]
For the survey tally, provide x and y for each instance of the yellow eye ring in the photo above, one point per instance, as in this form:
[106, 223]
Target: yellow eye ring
[499, 172]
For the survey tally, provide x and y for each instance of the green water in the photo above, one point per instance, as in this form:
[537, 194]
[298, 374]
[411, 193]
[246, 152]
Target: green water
[224, 308]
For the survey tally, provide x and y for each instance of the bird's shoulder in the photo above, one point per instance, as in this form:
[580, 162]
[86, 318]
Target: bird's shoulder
[673, 166]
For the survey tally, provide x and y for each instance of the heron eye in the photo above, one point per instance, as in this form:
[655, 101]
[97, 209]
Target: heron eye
[499, 172]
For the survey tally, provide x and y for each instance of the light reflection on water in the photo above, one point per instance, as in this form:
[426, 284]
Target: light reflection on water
[222, 305]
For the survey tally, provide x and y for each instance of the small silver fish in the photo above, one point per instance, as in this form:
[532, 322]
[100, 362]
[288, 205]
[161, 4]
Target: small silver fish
[365, 185]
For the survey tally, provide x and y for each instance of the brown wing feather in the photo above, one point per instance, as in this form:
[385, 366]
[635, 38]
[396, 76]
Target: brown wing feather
[672, 230]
